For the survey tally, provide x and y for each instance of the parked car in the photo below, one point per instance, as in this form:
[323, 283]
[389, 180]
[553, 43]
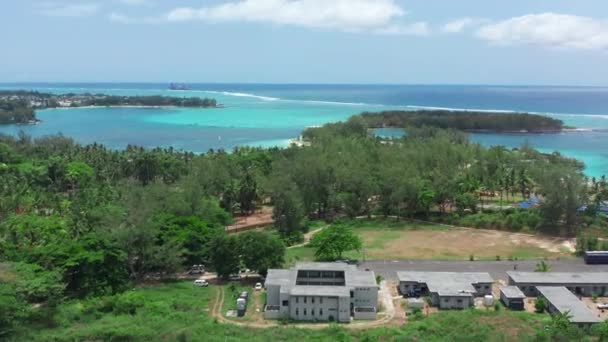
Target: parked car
[602, 306]
[197, 269]
[201, 283]
[244, 294]
[258, 286]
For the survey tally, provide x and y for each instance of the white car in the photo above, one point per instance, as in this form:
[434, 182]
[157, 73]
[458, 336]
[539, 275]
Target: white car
[602, 306]
[201, 283]
[258, 287]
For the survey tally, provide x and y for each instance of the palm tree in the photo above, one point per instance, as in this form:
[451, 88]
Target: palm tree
[525, 183]
[542, 266]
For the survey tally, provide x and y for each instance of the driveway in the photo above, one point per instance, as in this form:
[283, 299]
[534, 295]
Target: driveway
[497, 269]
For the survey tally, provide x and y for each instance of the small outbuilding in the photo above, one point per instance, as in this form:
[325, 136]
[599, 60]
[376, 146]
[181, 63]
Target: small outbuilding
[512, 297]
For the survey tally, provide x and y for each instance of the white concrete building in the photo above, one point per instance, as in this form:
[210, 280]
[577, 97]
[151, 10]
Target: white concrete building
[448, 290]
[321, 292]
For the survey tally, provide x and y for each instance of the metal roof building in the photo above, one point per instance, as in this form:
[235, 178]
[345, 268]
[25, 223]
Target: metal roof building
[581, 283]
[447, 289]
[321, 291]
[561, 300]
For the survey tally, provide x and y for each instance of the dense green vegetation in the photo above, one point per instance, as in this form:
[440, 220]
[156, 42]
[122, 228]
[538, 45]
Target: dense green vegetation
[178, 311]
[153, 100]
[89, 222]
[464, 120]
[16, 111]
[18, 102]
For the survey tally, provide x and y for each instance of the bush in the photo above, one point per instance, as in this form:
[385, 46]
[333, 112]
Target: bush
[128, 303]
[541, 305]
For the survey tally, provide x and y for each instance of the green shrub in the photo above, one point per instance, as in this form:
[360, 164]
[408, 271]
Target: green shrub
[541, 305]
[128, 303]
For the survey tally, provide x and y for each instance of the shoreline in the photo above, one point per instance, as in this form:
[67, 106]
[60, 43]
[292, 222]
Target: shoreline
[130, 106]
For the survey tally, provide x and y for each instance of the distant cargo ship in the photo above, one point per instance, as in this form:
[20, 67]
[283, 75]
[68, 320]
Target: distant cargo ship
[174, 86]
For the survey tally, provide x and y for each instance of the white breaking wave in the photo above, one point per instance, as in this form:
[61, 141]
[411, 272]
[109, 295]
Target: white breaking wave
[226, 93]
[597, 116]
[336, 103]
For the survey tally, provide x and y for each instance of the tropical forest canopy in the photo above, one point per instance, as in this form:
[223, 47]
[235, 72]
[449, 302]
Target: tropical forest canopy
[85, 221]
[464, 120]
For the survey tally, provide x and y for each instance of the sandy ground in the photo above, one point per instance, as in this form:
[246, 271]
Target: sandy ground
[460, 243]
[600, 313]
[259, 219]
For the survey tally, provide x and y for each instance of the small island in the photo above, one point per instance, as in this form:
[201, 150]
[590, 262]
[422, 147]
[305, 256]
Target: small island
[468, 121]
[18, 106]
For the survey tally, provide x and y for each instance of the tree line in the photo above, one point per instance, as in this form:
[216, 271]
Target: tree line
[464, 120]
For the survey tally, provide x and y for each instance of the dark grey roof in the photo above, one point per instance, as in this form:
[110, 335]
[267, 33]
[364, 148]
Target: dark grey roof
[564, 301]
[559, 278]
[447, 283]
[512, 292]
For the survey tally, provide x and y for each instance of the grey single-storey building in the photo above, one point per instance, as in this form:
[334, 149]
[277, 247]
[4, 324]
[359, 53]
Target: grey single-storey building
[512, 297]
[448, 290]
[583, 284]
[561, 300]
[321, 292]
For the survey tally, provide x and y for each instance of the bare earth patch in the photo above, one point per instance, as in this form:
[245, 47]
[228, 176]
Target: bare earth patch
[460, 243]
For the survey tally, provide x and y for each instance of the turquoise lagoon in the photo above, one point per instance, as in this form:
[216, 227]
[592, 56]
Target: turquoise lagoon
[271, 115]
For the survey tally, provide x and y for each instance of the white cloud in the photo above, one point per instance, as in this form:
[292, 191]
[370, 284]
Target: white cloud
[346, 15]
[459, 25]
[549, 30]
[72, 10]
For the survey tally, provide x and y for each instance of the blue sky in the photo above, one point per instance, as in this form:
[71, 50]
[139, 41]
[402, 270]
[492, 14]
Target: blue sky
[560, 42]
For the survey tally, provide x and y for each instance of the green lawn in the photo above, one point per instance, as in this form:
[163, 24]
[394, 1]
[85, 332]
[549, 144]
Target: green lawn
[389, 239]
[179, 311]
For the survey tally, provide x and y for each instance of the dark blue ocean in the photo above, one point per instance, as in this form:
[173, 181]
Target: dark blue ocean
[271, 114]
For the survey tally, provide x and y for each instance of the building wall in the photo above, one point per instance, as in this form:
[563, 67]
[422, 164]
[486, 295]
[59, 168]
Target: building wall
[454, 302]
[320, 308]
[365, 296]
[483, 289]
[273, 295]
[585, 290]
[512, 303]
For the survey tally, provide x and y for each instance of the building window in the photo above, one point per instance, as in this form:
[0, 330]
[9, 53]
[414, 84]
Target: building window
[487, 287]
[321, 311]
[446, 300]
[305, 302]
[460, 301]
[286, 302]
[313, 300]
[297, 312]
[304, 311]
[352, 294]
[312, 312]
[297, 300]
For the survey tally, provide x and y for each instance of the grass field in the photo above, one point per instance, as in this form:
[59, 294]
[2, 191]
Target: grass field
[392, 239]
[179, 311]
